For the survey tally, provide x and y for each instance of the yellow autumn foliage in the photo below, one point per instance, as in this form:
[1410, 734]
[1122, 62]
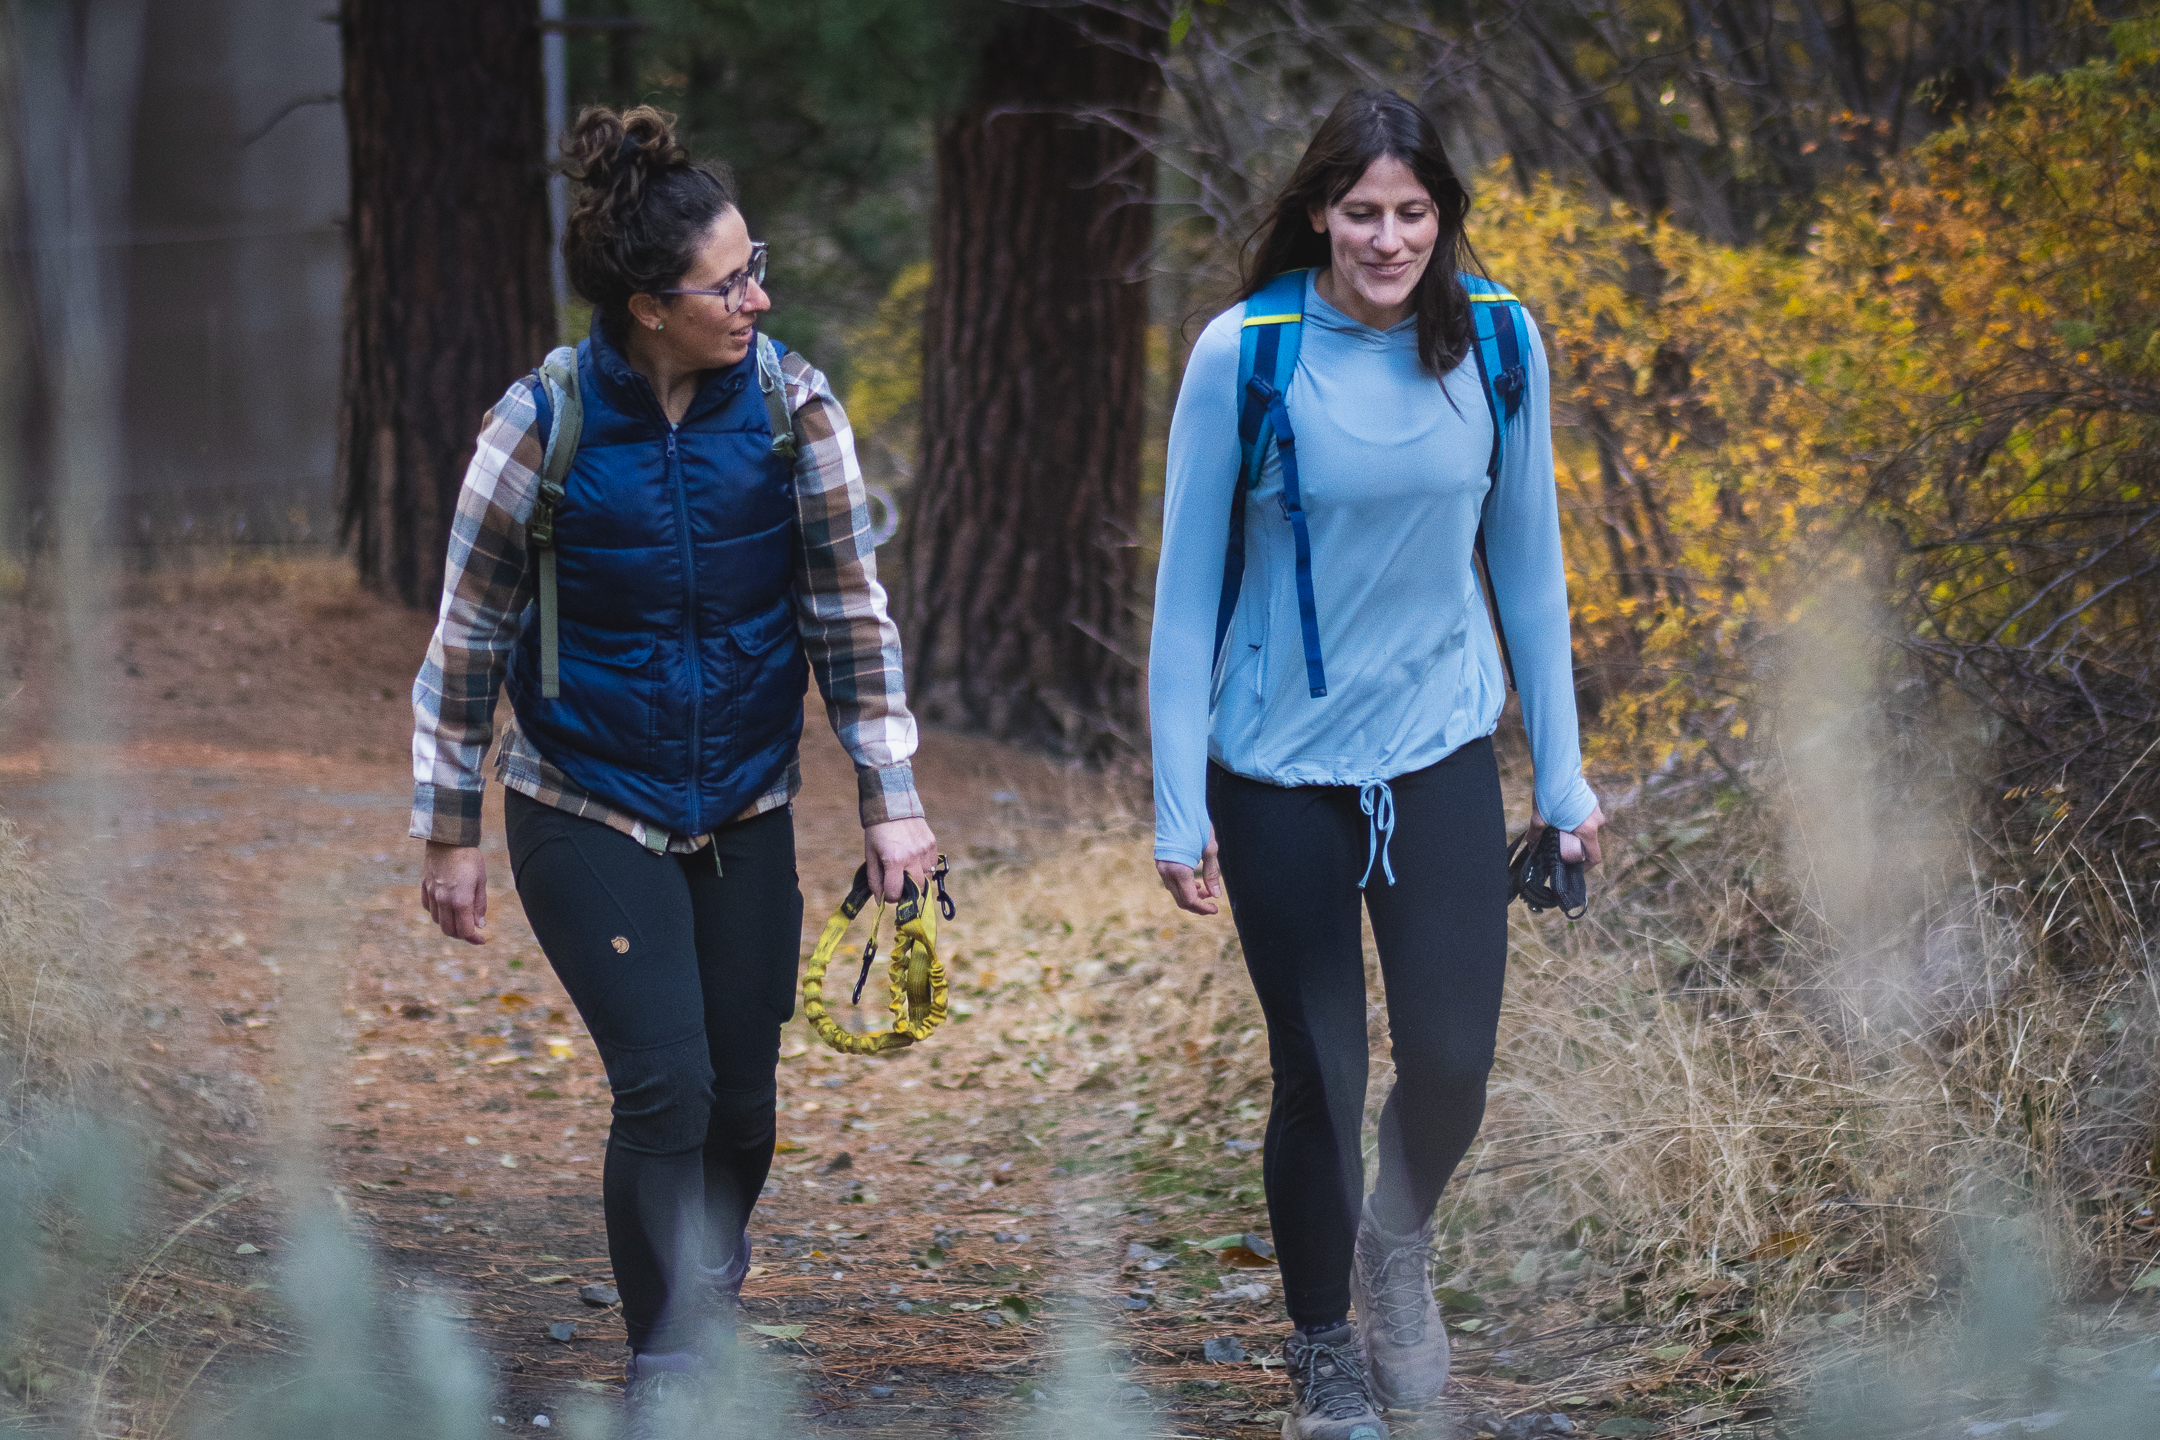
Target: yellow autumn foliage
[1963, 364]
[885, 358]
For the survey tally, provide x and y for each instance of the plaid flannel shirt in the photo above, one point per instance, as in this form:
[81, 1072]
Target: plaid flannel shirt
[488, 583]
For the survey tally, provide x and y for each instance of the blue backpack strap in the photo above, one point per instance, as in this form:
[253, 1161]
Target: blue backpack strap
[1502, 348]
[1267, 357]
[1503, 345]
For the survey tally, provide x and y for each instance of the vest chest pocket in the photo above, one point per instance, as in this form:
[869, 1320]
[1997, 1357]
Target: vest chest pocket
[760, 632]
[601, 647]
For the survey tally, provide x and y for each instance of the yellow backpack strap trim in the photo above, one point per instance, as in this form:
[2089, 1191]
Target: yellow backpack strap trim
[1489, 297]
[1251, 320]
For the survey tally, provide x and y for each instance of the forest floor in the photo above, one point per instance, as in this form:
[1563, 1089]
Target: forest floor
[951, 1244]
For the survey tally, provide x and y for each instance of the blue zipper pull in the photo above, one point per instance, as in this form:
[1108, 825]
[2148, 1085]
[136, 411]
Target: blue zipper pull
[671, 442]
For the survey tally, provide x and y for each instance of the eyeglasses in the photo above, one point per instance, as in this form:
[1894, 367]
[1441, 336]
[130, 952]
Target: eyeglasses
[736, 288]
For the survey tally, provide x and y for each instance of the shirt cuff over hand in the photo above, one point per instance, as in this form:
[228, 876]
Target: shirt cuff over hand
[888, 793]
[446, 816]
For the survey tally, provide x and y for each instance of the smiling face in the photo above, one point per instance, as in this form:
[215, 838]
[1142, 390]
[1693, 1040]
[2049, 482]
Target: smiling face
[1381, 235]
[696, 332]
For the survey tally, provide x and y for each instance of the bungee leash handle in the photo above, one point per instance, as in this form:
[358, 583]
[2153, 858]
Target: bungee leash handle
[917, 982]
[1543, 880]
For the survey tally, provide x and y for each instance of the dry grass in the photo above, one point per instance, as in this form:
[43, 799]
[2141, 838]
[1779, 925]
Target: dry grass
[1708, 1125]
[55, 978]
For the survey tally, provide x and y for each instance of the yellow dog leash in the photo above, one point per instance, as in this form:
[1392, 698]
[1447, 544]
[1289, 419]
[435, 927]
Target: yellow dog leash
[917, 977]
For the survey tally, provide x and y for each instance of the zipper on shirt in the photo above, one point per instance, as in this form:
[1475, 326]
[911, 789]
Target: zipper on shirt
[697, 666]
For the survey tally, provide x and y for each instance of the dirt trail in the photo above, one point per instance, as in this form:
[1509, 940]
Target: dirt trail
[298, 1024]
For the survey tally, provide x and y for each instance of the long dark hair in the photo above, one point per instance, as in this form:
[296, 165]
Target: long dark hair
[642, 207]
[1364, 126]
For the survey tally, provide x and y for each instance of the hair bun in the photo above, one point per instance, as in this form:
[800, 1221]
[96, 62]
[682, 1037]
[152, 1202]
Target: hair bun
[616, 153]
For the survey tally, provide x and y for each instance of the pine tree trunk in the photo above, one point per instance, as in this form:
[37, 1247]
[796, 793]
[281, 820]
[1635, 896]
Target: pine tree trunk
[447, 296]
[1018, 610]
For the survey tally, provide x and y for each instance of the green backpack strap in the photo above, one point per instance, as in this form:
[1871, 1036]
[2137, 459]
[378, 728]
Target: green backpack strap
[775, 387]
[559, 394]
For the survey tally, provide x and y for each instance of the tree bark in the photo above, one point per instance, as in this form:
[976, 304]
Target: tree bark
[1018, 611]
[447, 295]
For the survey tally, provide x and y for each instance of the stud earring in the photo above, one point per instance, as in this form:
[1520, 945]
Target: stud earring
[660, 325]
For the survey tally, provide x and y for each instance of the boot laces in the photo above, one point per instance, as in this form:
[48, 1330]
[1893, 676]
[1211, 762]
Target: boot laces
[1331, 1379]
[1400, 1289]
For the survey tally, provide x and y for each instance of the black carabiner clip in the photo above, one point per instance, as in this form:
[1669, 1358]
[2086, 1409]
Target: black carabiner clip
[946, 908]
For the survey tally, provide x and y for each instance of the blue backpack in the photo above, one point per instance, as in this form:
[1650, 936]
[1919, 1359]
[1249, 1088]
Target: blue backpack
[1267, 357]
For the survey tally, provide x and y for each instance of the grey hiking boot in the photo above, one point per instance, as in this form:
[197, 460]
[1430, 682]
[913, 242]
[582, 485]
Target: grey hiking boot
[663, 1397]
[1397, 1318]
[1328, 1395]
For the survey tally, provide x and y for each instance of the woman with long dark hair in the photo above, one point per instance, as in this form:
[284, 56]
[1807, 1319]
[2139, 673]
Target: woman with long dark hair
[654, 598]
[1324, 683]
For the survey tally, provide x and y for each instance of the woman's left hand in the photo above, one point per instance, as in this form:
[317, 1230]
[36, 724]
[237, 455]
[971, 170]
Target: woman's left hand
[894, 849]
[1580, 845]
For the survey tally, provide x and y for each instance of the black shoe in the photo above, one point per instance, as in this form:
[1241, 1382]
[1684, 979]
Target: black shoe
[662, 1396]
[725, 1282]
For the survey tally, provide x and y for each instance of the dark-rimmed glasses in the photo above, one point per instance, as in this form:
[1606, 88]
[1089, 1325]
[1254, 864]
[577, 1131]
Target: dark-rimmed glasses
[736, 288]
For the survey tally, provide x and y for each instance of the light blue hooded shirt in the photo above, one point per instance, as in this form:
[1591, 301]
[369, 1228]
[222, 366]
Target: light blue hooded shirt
[1391, 466]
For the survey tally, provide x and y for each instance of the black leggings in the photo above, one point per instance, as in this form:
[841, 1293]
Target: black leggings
[1291, 860]
[683, 975]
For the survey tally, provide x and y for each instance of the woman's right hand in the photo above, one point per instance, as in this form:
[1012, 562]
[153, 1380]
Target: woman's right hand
[453, 890]
[1194, 890]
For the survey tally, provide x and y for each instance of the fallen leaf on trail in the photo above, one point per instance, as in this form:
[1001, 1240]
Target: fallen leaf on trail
[245, 1249]
[780, 1332]
[508, 1057]
[788, 1147]
[1252, 1243]
[511, 1000]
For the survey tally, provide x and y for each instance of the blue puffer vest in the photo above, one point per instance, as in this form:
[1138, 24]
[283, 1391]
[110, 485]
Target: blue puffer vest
[682, 668]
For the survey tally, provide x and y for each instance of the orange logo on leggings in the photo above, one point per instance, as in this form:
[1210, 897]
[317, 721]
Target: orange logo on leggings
[621, 944]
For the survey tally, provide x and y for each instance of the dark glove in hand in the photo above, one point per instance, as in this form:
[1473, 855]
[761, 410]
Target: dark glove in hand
[1543, 880]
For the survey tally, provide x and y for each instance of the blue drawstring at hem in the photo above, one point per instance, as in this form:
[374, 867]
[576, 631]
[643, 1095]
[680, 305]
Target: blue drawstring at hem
[1378, 802]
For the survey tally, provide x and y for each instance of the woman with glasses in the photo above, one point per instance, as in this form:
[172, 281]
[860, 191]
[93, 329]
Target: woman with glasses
[655, 622]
